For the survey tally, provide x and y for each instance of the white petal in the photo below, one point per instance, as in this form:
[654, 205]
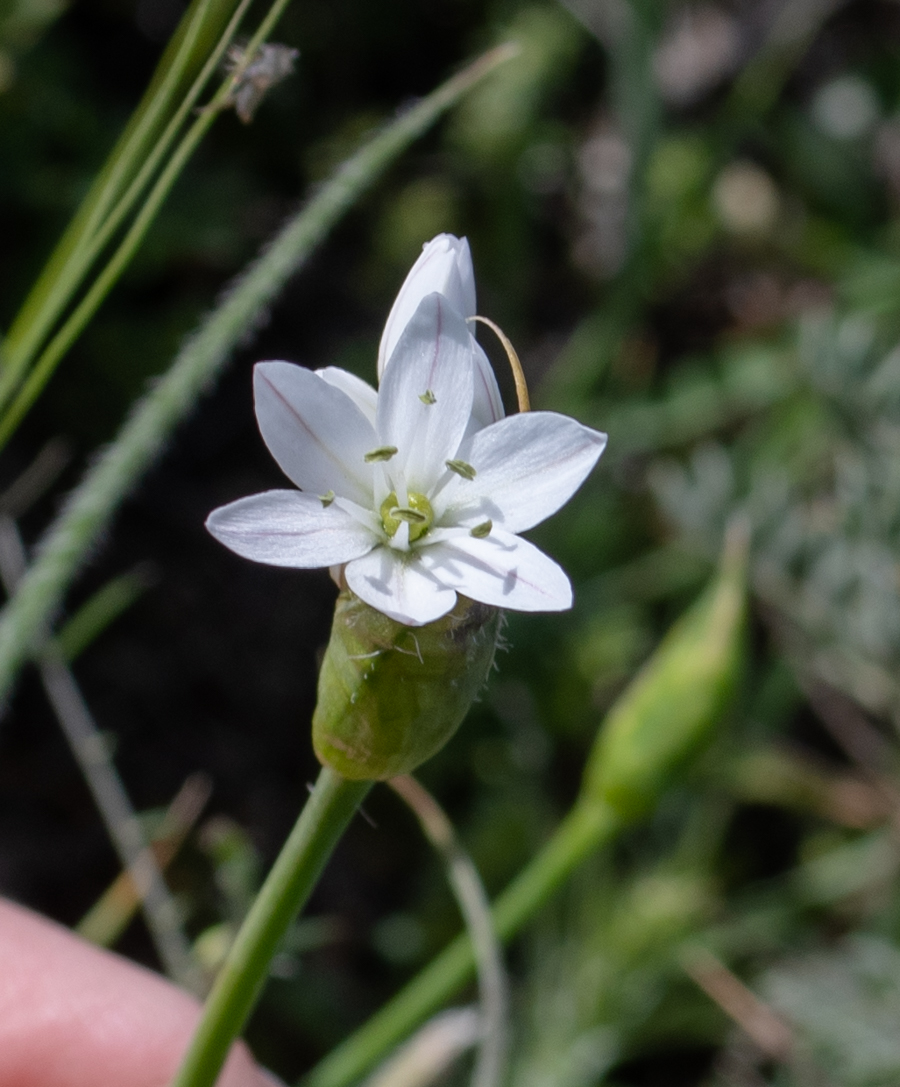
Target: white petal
[527, 466]
[502, 570]
[487, 405]
[287, 528]
[315, 431]
[399, 585]
[360, 392]
[433, 359]
[445, 266]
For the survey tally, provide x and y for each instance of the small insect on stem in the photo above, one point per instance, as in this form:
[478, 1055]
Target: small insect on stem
[270, 65]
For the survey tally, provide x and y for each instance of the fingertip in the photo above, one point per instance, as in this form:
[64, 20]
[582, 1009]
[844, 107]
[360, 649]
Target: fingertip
[72, 1015]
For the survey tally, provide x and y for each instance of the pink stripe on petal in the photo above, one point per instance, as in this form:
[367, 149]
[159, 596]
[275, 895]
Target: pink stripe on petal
[315, 431]
[288, 528]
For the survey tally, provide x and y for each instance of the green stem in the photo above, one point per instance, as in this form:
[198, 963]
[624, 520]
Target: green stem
[61, 285]
[475, 907]
[109, 276]
[583, 830]
[65, 268]
[97, 233]
[318, 830]
[105, 281]
[115, 472]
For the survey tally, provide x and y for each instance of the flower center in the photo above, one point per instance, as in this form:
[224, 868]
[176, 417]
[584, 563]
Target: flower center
[417, 513]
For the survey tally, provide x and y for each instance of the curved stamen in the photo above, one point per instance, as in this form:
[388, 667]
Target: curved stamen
[462, 468]
[518, 374]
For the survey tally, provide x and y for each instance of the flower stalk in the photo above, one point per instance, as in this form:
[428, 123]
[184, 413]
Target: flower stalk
[324, 818]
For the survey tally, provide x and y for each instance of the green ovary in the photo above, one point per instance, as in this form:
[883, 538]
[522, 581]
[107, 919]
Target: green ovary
[417, 513]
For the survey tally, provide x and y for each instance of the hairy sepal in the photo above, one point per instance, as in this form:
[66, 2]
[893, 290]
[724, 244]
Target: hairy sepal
[391, 696]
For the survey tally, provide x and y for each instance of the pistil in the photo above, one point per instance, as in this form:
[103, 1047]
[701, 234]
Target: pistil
[417, 514]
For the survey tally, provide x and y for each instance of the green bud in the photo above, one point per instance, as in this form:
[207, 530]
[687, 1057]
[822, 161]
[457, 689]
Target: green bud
[390, 696]
[682, 691]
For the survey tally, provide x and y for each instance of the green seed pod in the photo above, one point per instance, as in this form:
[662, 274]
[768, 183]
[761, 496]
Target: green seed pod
[390, 695]
[682, 691]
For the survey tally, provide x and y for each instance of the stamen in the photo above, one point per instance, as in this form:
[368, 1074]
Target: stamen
[384, 452]
[326, 499]
[428, 397]
[482, 530]
[518, 374]
[461, 469]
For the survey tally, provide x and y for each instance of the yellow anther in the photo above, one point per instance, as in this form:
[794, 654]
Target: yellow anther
[461, 468]
[384, 452]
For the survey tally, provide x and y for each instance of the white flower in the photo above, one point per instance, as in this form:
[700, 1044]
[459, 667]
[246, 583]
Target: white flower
[411, 488]
[445, 266]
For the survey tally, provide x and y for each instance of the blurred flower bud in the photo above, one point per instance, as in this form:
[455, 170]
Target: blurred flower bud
[680, 694]
[390, 695]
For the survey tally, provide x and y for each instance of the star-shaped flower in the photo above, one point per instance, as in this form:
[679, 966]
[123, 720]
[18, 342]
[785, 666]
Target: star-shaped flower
[418, 490]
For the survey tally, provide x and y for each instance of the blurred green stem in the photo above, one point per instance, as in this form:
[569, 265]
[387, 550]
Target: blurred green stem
[322, 822]
[106, 280]
[127, 166]
[629, 32]
[94, 759]
[585, 828]
[114, 473]
[474, 905]
[639, 112]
